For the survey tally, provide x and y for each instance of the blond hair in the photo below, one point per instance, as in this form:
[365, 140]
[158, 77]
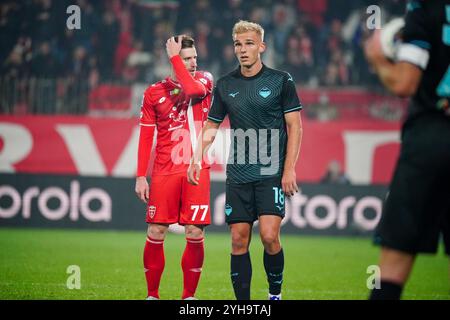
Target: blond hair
[245, 26]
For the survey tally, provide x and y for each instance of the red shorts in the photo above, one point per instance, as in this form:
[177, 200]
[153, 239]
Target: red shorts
[174, 200]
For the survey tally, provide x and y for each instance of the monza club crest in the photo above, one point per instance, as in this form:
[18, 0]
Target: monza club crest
[151, 211]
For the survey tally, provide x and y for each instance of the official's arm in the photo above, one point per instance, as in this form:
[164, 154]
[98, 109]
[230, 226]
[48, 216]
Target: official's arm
[401, 78]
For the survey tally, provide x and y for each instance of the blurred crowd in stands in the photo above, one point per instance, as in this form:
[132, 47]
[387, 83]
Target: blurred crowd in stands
[123, 41]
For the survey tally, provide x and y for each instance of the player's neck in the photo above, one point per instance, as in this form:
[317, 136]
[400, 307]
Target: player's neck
[252, 70]
[173, 78]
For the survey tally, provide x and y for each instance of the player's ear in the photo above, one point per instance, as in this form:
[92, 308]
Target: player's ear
[262, 47]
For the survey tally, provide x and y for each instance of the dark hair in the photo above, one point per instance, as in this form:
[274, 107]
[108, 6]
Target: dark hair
[186, 42]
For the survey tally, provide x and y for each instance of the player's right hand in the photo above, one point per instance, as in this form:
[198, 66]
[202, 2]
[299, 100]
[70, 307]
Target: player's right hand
[142, 190]
[173, 47]
[193, 174]
[372, 48]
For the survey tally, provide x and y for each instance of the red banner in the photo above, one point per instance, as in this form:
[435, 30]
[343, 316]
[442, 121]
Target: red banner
[367, 150]
[107, 147]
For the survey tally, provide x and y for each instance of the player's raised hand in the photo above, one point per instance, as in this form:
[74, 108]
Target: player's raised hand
[173, 47]
[289, 183]
[372, 47]
[142, 189]
[193, 173]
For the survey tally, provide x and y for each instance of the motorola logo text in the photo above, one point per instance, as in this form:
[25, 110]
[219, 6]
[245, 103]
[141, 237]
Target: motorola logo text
[72, 203]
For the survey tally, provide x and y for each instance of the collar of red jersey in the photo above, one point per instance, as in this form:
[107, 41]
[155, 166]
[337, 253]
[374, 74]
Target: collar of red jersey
[173, 82]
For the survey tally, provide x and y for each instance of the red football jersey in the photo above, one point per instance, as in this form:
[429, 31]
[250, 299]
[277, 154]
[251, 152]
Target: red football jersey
[178, 115]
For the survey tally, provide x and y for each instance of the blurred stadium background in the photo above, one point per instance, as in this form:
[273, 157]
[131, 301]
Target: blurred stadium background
[69, 108]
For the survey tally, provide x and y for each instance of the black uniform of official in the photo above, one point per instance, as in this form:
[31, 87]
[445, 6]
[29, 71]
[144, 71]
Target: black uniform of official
[417, 209]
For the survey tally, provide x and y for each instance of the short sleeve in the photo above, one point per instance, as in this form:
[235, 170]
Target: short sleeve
[218, 110]
[148, 115]
[289, 98]
[416, 44]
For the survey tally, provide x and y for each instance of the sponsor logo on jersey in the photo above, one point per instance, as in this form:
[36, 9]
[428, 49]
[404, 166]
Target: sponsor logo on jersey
[175, 92]
[265, 92]
[290, 77]
[178, 117]
[233, 94]
[162, 100]
[202, 80]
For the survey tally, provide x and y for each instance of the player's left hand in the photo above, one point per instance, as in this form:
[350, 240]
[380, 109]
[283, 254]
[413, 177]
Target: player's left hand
[372, 48]
[173, 48]
[142, 189]
[289, 183]
[193, 173]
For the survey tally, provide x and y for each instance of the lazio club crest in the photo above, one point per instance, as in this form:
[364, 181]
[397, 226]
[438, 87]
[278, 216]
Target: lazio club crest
[265, 92]
[228, 209]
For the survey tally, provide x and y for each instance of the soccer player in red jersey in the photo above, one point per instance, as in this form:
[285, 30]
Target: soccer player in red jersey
[177, 107]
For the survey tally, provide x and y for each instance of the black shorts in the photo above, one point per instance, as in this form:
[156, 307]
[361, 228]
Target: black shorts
[245, 202]
[416, 212]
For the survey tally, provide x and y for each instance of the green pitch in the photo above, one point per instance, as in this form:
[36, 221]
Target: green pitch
[33, 265]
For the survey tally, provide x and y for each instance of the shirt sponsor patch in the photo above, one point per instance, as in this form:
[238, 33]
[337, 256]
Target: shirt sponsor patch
[175, 91]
